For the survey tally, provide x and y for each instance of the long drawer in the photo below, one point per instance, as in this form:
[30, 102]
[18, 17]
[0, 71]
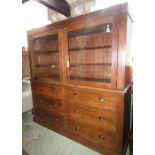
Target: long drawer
[100, 117]
[56, 120]
[52, 90]
[93, 98]
[47, 103]
[85, 129]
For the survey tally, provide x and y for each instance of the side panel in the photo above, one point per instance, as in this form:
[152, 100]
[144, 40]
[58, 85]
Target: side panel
[128, 66]
[127, 115]
[119, 121]
[121, 52]
[124, 53]
[123, 119]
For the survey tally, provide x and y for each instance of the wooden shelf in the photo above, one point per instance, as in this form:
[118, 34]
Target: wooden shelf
[48, 74]
[89, 48]
[45, 52]
[96, 64]
[88, 32]
[45, 65]
[90, 79]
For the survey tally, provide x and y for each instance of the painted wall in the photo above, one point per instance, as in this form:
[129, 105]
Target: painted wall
[100, 4]
[79, 7]
[33, 15]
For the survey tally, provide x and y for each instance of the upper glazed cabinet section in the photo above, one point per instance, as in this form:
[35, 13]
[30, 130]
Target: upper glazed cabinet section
[88, 50]
[91, 51]
[45, 51]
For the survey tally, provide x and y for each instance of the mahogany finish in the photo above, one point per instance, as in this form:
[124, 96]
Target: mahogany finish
[81, 78]
[92, 98]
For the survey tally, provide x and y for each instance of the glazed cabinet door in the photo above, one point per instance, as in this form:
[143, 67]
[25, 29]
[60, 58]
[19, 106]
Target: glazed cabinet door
[45, 53]
[92, 53]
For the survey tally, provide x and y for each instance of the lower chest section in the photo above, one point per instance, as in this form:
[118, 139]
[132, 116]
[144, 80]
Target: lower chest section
[87, 116]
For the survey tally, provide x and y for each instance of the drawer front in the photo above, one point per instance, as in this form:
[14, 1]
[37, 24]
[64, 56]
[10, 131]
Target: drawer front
[53, 119]
[93, 98]
[47, 103]
[92, 133]
[101, 117]
[47, 89]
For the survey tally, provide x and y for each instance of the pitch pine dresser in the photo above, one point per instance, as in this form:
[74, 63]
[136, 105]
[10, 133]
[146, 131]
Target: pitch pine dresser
[81, 78]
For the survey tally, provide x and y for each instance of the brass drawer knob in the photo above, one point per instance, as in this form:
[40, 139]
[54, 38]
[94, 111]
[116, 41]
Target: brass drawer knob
[101, 118]
[42, 114]
[56, 119]
[53, 66]
[40, 101]
[76, 110]
[101, 99]
[77, 128]
[40, 89]
[101, 136]
[55, 105]
[53, 91]
[75, 94]
[46, 117]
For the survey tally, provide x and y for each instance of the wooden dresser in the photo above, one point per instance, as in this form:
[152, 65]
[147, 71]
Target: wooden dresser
[81, 78]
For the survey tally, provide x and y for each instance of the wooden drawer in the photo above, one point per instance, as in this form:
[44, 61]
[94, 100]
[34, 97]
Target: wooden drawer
[54, 119]
[47, 103]
[101, 117]
[89, 131]
[93, 98]
[48, 89]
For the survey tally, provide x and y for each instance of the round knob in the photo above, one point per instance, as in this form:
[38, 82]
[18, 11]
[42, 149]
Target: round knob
[75, 94]
[53, 66]
[101, 99]
[56, 119]
[42, 114]
[53, 91]
[40, 101]
[101, 136]
[40, 88]
[101, 118]
[76, 110]
[77, 128]
[46, 117]
[55, 105]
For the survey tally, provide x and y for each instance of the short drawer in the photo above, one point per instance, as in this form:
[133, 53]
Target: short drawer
[93, 98]
[92, 133]
[47, 89]
[101, 117]
[53, 119]
[47, 103]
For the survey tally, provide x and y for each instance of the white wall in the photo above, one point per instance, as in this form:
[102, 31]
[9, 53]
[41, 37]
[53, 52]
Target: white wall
[34, 15]
[100, 4]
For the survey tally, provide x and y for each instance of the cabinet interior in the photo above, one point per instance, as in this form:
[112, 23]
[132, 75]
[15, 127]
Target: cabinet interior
[90, 52]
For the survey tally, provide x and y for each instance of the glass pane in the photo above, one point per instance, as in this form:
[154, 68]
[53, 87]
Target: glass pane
[46, 57]
[90, 54]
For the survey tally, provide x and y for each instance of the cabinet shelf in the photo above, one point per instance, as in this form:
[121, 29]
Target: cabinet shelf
[45, 52]
[90, 31]
[90, 79]
[46, 65]
[89, 48]
[89, 64]
[48, 74]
